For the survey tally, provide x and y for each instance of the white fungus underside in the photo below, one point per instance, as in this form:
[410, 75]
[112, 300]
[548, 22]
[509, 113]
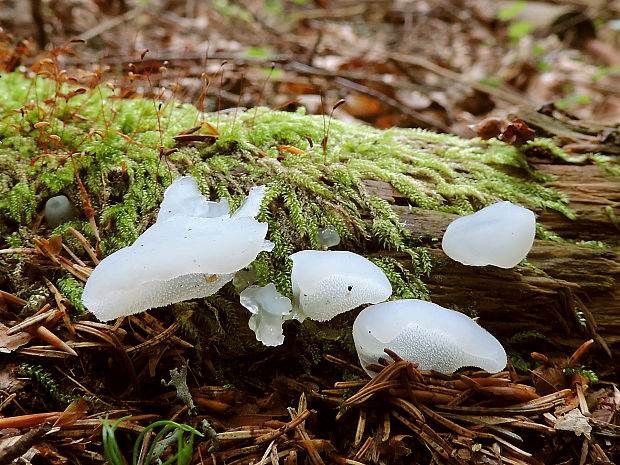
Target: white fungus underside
[422, 332]
[501, 234]
[327, 283]
[153, 294]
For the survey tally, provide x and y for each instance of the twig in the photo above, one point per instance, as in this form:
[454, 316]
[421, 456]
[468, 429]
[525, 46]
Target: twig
[267, 453]
[42, 351]
[409, 408]
[284, 429]
[8, 400]
[505, 95]
[550, 398]
[76, 270]
[362, 450]
[89, 248]
[430, 439]
[313, 454]
[347, 365]
[83, 388]
[370, 390]
[158, 339]
[243, 434]
[12, 298]
[348, 384]
[154, 327]
[359, 431]
[72, 255]
[379, 382]
[513, 422]
[389, 101]
[30, 321]
[118, 20]
[450, 424]
[24, 443]
[18, 250]
[532, 410]
[25, 421]
[61, 305]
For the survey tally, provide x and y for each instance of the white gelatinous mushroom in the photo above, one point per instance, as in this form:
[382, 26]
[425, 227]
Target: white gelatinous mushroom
[269, 308]
[327, 238]
[425, 333]
[327, 283]
[182, 198]
[58, 210]
[501, 234]
[191, 251]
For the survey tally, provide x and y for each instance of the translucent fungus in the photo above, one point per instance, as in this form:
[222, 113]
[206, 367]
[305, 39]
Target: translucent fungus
[268, 308]
[501, 234]
[425, 333]
[327, 283]
[58, 210]
[328, 238]
[191, 251]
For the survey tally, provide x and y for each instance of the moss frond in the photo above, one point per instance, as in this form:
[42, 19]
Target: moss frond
[72, 290]
[21, 203]
[405, 285]
[45, 380]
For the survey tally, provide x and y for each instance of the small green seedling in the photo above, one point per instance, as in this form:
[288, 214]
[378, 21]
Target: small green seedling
[170, 429]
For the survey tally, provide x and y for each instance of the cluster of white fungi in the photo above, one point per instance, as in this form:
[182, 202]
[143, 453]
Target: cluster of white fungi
[196, 246]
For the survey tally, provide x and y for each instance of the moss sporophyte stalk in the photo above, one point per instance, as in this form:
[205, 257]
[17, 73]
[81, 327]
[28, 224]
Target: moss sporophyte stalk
[49, 131]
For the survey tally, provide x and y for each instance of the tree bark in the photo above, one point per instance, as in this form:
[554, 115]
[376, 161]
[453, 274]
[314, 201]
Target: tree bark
[570, 294]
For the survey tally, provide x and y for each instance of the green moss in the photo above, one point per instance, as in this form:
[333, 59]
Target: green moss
[612, 216]
[405, 284]
[72, 290]
[588, 374]
[45, 381]
[525, 336]
[13, 240]
[522, 365]
[20, 203]
[314, 342]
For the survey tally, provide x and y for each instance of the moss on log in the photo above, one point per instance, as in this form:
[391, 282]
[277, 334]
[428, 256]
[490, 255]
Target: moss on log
[390, 194]
[571, 289]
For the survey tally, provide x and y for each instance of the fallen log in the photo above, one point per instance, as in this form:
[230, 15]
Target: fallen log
[569, 293]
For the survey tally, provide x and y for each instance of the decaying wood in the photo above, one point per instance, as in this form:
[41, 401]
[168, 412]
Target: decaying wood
[572, 292]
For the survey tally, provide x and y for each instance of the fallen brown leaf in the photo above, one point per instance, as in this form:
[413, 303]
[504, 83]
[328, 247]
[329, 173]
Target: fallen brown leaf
[8, 343]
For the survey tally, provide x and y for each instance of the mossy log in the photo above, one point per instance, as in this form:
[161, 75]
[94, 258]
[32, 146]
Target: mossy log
[571, 292]
[389, 194]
